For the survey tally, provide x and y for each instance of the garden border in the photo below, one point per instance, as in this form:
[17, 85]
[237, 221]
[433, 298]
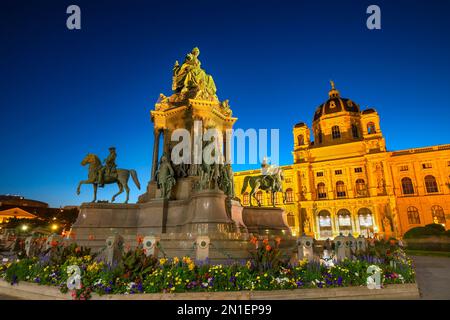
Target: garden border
[33, 291]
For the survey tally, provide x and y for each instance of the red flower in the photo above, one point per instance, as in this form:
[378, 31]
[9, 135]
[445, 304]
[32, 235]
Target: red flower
[77, 249]
[268, 248]
[54, 243]
[91, 237]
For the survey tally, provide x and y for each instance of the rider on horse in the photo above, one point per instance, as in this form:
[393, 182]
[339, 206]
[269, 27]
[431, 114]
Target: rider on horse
[110, 167]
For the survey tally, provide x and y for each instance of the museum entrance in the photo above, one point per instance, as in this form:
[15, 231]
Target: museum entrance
[325, 228]
[365, 220]
[344, 222]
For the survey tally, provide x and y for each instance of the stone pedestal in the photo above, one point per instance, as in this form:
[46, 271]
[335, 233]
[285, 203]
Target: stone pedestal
[351, 245]
[151, 193]
[236, 216]
[305, 247]
[340, 247]
[150, 245]
[261, 220]
[361, 244]
[184, 188]
[206, 213]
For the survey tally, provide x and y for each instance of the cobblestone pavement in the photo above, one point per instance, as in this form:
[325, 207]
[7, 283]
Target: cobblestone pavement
[433, 277]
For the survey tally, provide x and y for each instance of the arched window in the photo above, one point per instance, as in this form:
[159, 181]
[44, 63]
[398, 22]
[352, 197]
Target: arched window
[413, 215]
[259, 197]
[407, 186]
[361, 187]
[438, 214]
[371, 128]
[345, 221]
[431, 184]
[300, 140]
[340, 189]
[245, 199]
[335, 132]
[291, 219]
[365, 221]
[289, 196]
[325, 224]
[321, 191]
[355, 132]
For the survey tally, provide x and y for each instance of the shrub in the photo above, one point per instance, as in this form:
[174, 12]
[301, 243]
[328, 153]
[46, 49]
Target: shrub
[421, 232]
[437, 227]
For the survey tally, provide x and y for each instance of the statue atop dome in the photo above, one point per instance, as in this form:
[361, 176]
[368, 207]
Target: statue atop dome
[190, 81]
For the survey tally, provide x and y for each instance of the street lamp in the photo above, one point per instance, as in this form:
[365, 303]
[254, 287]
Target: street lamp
[54, 227]
[24, 227]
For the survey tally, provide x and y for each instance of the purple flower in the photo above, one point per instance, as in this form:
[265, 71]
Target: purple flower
[339, 281]
[299, 284]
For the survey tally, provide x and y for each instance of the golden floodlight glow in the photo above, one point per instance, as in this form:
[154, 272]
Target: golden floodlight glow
[24, 227]
[54, 227]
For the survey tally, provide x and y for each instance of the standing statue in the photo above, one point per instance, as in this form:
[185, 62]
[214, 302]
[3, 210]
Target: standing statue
[108, 175]
[271, 183]
[387, 225]
[165, 177]
[307, 226]
[227, 184]
[110, 167]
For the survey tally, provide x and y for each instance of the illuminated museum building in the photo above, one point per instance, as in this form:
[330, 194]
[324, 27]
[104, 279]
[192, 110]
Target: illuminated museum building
[344, 180]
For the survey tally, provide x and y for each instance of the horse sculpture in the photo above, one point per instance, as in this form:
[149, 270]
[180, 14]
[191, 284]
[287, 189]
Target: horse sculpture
[269, 183]
[121, 179]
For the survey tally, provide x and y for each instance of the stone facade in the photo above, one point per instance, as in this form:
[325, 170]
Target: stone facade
[344, 180]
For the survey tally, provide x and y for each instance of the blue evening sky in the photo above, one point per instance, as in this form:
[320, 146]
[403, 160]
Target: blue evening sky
[66, 93]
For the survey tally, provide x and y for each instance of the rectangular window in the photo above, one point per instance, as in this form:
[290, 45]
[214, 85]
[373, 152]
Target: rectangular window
[404, 168]
[319, 174]
[358, 170]
[288, 180]
[338, 172]
[448, 163]
[426, 165]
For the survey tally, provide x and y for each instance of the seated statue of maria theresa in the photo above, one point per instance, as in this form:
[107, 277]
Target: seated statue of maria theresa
[191, 81]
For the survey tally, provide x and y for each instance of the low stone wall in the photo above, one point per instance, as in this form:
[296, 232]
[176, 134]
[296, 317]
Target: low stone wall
[32, 291]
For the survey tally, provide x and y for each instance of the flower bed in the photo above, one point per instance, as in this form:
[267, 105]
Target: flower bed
[137, 273]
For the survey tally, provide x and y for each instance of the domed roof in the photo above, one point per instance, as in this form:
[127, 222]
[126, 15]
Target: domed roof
[368, 111]
[300, 124]
[335, 104]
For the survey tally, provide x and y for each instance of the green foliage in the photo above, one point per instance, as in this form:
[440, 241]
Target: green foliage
[437, 227]
[423, 232]
[266, 256]
[60, 253]
[136, 265]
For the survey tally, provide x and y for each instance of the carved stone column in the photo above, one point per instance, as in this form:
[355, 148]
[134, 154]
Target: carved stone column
[156, 134]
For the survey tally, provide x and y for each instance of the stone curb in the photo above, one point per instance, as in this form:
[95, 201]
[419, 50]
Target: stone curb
[32, 291]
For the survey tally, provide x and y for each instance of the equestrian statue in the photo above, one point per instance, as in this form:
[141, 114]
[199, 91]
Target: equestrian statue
[100, 175]
[270, 182]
